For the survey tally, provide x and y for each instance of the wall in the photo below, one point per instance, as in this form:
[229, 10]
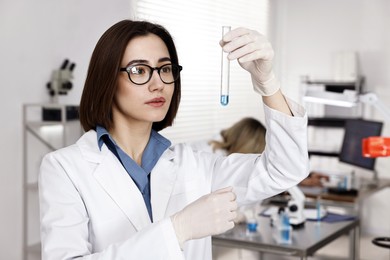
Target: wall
[307, 33]
[36, 36]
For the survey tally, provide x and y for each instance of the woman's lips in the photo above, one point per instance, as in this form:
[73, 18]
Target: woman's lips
[156, 102]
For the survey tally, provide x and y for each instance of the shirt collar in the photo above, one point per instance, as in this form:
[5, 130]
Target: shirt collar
[156, 138]
[153, 151]
[102, 133]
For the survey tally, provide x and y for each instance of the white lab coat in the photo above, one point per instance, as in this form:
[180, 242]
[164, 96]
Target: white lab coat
[91, 208]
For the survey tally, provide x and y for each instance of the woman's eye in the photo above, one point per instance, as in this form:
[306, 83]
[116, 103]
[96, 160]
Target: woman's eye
[137, 70]
[166, 69]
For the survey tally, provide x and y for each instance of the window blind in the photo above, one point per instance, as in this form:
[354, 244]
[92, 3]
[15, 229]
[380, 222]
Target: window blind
[196, 27]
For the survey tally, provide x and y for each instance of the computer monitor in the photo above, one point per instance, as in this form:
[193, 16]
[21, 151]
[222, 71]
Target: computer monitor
[351, 149]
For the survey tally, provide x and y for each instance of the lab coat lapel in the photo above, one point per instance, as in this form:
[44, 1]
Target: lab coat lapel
[121, 188]
[162, 181]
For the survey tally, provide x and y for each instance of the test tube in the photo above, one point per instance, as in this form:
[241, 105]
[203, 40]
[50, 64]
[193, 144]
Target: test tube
[225, 72]
[318, 208]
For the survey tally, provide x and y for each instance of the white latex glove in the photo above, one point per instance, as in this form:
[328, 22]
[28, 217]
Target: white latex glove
[254, 53]
[209, 215]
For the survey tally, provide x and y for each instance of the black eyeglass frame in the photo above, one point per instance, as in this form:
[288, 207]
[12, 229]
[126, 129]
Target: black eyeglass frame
[152, 69]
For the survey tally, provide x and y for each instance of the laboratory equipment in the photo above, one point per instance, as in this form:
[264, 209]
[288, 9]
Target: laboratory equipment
[318, 209]
[61, 80]
[376, 146]
[251, 225]
[282, 231]
[295, 207]
[351, 149]
[251, 221]
[225, 72]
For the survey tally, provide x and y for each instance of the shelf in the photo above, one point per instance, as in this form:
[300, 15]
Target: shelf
[331, 82]
[321, 153]
[46, 127]
[338, 86]
[39, 124]
[327, 121]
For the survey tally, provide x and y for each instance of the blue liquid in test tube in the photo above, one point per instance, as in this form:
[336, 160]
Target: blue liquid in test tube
[225, 72]
[224, 99]
[251, 225]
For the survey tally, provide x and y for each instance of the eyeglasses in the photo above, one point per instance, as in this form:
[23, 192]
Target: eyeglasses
[140, 74]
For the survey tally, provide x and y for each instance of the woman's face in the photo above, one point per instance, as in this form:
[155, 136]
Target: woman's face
[143, 103]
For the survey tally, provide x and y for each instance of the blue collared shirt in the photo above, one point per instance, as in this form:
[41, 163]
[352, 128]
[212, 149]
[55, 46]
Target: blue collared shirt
[140, 174]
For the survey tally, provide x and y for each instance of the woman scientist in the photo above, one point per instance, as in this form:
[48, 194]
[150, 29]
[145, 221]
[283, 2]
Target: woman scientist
[123, 192]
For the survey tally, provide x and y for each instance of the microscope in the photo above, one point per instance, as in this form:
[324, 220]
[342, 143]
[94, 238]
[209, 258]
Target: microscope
[60, 82]
[295, 207]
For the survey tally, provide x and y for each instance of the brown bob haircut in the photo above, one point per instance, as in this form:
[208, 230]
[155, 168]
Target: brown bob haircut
[101, 82]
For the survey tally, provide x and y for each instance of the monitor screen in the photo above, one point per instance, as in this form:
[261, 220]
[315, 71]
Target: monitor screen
[351, 149]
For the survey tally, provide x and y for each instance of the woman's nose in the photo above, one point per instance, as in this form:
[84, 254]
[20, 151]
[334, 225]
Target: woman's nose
[155, 82]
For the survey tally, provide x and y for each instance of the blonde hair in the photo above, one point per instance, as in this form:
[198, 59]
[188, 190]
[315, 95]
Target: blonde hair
[245, 136]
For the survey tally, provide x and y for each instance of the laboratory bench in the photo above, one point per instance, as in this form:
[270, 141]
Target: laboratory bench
[351, 202]
[313, 236]
[305, 241]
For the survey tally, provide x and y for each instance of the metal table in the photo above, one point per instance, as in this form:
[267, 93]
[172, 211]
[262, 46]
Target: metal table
[305, 241]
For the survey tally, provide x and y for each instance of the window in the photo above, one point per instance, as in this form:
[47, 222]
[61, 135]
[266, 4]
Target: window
[196, 27]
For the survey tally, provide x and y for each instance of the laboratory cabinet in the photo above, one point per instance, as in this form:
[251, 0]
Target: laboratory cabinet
[46, 127]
